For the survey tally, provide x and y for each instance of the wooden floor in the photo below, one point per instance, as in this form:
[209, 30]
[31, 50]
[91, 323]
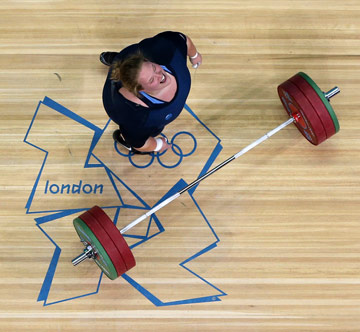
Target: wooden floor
[269, 243]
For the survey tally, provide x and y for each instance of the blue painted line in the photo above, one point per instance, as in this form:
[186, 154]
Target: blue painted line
[45, 289]
[175, 189]
[211, 246]
[157, 302]
[97, 136]
[143, 238]
[142, 290]
[133, 236]
[32, 121]
[116, 217]
[192, 301]
[77, 297]
[158, 223]
[63, 110]
[44, 292]
[205, 250]
[95, 140]
[89, 165]
[114, 185]
[142, 241]
[129, 206]
[181, 184]
[148, 228]
[201, 278]
[32, 194]
[49, 211]
[113, 175]
[208, 164]
[33, 191]
[69, 299]
[206, 220]
[58, 215]
[197, 118]
[97, 131]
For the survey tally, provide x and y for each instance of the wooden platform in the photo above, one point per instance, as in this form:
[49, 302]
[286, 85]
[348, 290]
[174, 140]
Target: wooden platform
[270, 243]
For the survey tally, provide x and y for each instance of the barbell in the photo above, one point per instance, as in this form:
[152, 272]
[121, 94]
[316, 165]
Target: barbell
[309, 109]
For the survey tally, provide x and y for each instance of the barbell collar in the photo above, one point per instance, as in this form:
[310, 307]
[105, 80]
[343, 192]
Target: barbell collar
[88, 253]
[331, 93]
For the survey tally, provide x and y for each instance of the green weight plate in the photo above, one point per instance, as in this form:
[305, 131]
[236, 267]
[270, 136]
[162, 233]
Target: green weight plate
[102, 259]
[105, 241]
[323, 99]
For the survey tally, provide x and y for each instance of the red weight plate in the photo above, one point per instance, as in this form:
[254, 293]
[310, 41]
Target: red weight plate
[115, 235]
[105, 241]
[316, 103]
[309, 123]
[323, 98]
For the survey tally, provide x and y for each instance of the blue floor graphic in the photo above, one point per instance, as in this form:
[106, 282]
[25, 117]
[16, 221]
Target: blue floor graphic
[124, 194]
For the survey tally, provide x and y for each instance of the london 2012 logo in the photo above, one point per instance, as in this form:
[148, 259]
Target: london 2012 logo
[71, 181]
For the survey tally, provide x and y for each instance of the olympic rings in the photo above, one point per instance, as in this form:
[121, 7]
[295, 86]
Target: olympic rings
[175, 148]
[130, 154]
[143, 166]
[185, 133]
[172, 148]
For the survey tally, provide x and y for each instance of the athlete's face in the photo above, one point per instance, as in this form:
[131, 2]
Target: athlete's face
[152, 77]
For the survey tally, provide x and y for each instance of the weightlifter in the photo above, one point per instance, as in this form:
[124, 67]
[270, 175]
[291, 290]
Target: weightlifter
[147, 87]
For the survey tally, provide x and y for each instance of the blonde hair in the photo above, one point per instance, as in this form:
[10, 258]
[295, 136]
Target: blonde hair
[127, 71]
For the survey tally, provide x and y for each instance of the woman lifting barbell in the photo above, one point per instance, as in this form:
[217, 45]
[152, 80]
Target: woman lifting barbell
[147, 87]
